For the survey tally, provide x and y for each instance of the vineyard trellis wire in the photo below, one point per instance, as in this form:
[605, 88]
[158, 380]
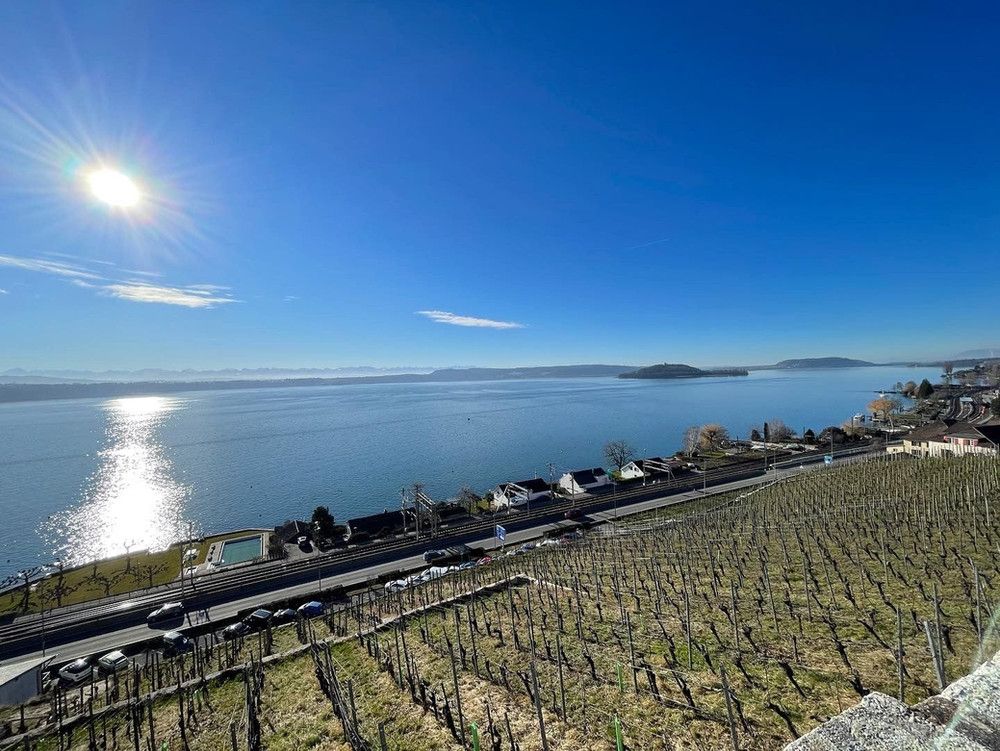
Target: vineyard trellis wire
[744, 622]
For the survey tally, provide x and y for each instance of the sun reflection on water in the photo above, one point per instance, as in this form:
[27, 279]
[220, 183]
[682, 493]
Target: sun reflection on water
[132, 501]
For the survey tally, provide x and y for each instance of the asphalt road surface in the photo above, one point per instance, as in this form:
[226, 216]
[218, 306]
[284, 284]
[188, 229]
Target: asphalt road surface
[106, 626]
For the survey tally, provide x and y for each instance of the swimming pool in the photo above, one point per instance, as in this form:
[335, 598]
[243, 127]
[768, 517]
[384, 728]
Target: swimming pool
[240, 550]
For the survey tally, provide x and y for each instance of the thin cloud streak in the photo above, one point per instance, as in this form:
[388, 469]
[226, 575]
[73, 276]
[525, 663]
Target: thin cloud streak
[454, 319]
[131, 289]
[42, 266]
[188, 297]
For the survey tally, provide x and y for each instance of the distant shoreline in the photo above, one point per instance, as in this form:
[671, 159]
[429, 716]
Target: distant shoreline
[11, 393]
[36, 392]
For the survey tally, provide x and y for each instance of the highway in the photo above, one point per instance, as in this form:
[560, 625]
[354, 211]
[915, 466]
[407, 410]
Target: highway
[105, 625]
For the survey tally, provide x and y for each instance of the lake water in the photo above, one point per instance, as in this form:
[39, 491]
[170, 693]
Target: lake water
[86, 478]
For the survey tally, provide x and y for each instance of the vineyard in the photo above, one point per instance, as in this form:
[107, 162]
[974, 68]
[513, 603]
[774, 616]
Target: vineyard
[741, 622]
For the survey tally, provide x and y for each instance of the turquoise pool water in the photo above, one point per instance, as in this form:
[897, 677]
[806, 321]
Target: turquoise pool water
[238, 551]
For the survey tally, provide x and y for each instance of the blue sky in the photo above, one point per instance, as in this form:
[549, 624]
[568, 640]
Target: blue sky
[713, 184]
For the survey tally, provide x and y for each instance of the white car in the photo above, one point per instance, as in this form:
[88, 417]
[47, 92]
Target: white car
[396, 586]
[112, 662]
[76, 671]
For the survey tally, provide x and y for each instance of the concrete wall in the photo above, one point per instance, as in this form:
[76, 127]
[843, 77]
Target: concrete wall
[18, 690]
[963, 717]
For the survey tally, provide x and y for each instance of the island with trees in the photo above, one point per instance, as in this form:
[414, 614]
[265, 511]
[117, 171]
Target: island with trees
[676, 370]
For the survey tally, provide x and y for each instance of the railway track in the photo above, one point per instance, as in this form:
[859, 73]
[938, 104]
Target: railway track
[18, 637]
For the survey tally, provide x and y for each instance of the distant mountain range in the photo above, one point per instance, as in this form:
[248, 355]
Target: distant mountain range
[35, 391]
[21, 375]
[678, 370]
[18, 385]
[805, 363]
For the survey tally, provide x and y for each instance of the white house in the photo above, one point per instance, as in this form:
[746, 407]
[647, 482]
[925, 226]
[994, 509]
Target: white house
[949, 438]
[583, 480]
[520, 493]
[653, 467]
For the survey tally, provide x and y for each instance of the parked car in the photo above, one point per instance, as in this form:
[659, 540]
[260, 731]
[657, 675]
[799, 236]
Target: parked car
[467, 565]
[283, 616]
[258, 618]
[311, 609]
[112, 662]
[170, 611]
[484, 560]
[235, 630]
[433, 555]
[396, 586]
[304, 544]
[75, 672]
[176, 643]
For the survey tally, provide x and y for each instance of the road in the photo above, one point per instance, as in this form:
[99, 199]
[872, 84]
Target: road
[121, 624]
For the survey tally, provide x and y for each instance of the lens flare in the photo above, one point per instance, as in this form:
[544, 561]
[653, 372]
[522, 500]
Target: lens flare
[113, 188]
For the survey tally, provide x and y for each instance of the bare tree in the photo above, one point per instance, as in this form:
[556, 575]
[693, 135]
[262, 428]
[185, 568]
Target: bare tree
[468, 498]
[691, 438]
[883, 406]
[712, 436]
[619, 453]
[778, 431]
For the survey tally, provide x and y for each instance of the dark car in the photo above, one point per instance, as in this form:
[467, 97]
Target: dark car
[311, 609]
[325, 544]
[171, 611]
[285, 615]
[235, 630]
[258, 618]
[176, 643]
[304, 543]
[573, 513]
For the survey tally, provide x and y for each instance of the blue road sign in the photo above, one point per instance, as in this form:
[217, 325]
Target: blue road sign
[501, 533]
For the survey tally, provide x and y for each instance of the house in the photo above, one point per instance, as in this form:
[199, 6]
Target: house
[583, 480]
[21, 681]
[291, 531]
[375, 525]
[949, 438]
[653, 468]
[520, 493]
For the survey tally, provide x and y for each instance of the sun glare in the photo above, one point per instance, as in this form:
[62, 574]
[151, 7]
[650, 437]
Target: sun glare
[113, 188]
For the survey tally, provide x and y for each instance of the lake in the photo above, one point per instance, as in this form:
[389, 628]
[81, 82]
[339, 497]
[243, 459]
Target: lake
[88, 478]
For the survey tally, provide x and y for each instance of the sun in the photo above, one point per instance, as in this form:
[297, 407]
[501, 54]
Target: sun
[113, 188]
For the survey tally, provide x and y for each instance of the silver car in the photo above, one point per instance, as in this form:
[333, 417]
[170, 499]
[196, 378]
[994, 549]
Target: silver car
[112, 662]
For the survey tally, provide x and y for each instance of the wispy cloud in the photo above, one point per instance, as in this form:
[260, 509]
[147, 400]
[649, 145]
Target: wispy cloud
[291, 298]
[188, 297]
[3, 291]
[454, 319]
[43, 266]
[127, 288]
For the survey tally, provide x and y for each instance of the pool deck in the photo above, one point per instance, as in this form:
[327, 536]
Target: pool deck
[213, 560]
